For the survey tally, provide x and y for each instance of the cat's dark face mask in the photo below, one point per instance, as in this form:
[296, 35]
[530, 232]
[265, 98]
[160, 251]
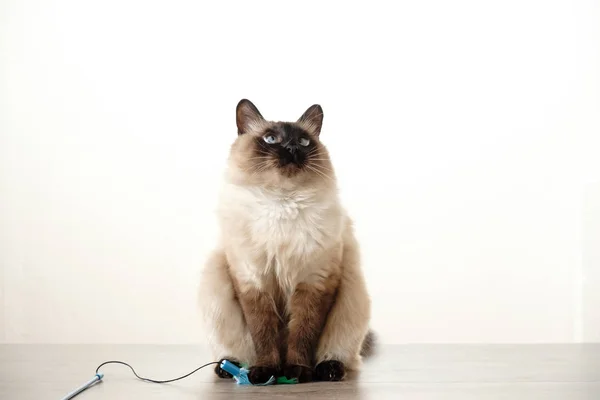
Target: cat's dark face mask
[288, 147]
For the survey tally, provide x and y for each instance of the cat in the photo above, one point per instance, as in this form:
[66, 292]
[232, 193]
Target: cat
[284, 292]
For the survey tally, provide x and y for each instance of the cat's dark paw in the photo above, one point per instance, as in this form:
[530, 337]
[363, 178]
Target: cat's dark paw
[330, 371]
[300, 372]
[259, 375]
[221, 373]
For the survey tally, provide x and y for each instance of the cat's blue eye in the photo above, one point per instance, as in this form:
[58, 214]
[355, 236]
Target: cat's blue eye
[304, 142]
[271, 139]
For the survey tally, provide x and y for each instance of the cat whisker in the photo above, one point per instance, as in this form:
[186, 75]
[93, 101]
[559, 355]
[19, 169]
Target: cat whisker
[258, 158]
[312, 151]
[264, 165]
[322, 168]
[324, 175]
[321, 174]
[259, 167]
[310, 159]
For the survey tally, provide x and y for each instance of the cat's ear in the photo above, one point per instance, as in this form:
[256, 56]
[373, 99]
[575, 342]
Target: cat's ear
[313, 117]
[246, 114]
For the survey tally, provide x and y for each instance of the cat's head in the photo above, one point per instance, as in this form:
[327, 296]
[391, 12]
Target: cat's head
[279, 153]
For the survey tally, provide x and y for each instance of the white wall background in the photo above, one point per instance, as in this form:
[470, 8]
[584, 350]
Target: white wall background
[466, 137]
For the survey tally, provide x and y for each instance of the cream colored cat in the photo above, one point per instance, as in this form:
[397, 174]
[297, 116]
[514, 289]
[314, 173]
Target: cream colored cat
[284, 291]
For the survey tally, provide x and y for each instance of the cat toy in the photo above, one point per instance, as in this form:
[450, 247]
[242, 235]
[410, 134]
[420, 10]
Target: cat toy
[240, 375]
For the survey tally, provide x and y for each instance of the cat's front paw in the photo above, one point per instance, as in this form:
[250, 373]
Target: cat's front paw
[259, 375]
[330, 371]
[300, 372]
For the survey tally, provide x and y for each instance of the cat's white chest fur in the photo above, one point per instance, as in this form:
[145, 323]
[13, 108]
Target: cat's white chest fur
[289, 228]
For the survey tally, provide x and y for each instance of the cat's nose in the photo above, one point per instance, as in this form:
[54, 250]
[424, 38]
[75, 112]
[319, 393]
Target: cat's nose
[292, 148]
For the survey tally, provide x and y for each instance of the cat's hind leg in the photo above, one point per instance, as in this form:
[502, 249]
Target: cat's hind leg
[224, 322]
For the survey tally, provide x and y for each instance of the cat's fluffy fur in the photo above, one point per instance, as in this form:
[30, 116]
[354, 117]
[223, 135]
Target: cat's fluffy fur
[284, 290]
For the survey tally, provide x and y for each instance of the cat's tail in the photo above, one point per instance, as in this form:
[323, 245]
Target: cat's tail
[368, 345]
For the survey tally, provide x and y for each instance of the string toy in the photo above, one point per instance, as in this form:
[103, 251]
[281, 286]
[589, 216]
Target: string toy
[240, 376]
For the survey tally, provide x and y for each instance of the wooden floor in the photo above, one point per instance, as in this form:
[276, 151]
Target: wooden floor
[536, 372]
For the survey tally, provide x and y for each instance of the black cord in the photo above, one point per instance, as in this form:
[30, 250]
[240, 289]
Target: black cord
[152, 380]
